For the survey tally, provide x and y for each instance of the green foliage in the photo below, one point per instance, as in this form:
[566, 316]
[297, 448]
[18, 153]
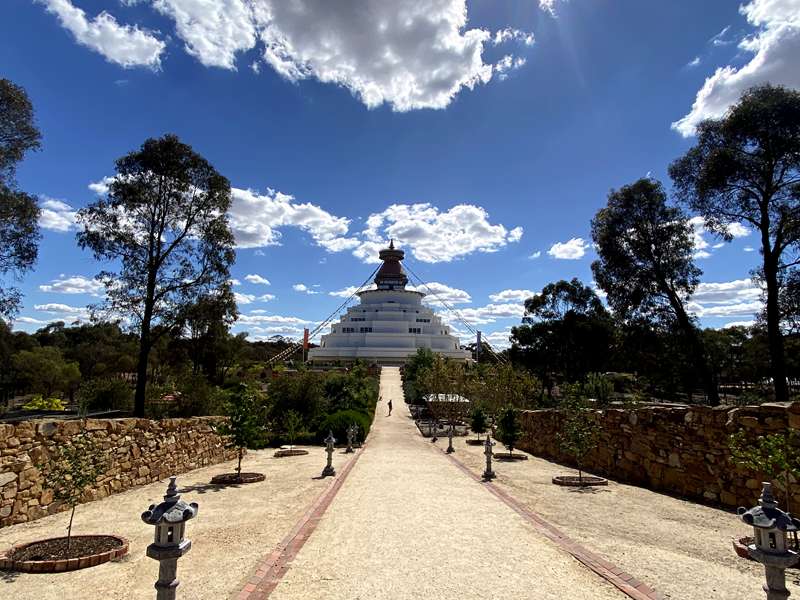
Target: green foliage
[292, 422]
[412, 372]
[243, 428]
[508, 430]
[72, 470]
[19, 212]
[744, 169]
[579, 430]
[776, 455]
[197, 397]
[40, 403]
[44, 370]
[105, 393]
[338, 423]
[599, 387]
[478, 422]
[177, 250]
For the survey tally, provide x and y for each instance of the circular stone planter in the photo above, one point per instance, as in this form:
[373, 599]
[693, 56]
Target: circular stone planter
[575, 481]
[509, 456]
[283, 453]
[45, 556]
[234, 479]
[475, 443]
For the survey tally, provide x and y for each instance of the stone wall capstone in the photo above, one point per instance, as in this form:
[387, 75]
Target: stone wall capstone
[140, 451]
[681, 450]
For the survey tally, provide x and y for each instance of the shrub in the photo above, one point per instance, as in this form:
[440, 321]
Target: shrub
[39, 403]
[338, 423]
[243, 427]
[478, 422]
[105, 394]
[600, 388]
[776, 455]
[508, 431]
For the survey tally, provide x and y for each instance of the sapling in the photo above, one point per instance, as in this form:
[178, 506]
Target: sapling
[292, 422]
[579, 432]
[71, 470]
[243, 427]
[509, 431]
[478, 422]
[776, 455]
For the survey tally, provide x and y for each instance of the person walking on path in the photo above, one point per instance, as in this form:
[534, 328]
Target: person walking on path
[390, 408]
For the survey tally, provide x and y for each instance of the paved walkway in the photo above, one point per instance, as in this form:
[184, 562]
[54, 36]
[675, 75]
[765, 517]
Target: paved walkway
[408, 523]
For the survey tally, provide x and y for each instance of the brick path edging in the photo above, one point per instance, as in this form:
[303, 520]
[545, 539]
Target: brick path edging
[271, 569]
[626, 583]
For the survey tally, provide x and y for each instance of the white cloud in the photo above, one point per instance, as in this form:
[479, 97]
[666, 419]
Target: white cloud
[774, 47]
[64, 312]
[349, 291]
[738, 230]
[256, 318]
[101, 187]
[234, 281]
[509, 33]
[244, 298]
[694, 62]
[256, 219]
[213, 32]
[499, 340]
[573, 249]
[56, 215]
[749, 249]
[266, 297]
[438, 293]
[549, 6]
[738, 298]
[303, 288]
[535, 255]
[76, 284]
[701, 246]
[508, 63]
[434, 236]
[512, 296]
[730, 324]
[125, 45]
[487, 314]
[257, 279]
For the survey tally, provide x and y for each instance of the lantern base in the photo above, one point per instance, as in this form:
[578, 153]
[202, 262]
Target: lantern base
[328, 472]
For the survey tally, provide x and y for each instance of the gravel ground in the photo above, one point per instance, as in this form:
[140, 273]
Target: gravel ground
[680, 548]
[235, 528]
[409, 524]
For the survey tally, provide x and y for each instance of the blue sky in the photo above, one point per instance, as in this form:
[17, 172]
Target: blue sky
[509, 120]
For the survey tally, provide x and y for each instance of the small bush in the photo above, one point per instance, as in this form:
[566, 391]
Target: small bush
[105, 394]
[39, 403]
[338, 423]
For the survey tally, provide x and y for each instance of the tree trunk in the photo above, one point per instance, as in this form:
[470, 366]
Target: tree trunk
[69, 530]
[774, 337]
[144, 349]
[698, 351]
[239, 465]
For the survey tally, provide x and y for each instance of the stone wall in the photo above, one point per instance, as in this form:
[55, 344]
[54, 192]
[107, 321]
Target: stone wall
[680, 450]
[140, 451]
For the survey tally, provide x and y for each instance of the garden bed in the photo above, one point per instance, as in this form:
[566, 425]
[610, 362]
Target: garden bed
[284, 453]
[234, 479]
[509, 456]
[50, 555]
[472, 442]
[575, 481]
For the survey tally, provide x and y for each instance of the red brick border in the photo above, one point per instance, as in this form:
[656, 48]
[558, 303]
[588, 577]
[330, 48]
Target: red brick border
[273, 567]
[623, 581]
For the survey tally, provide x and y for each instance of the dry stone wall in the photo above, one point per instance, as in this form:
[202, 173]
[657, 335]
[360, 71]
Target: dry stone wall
[680, 450]
[140, 451]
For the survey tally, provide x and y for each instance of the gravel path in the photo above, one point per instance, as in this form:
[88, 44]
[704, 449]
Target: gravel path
[680, 548]
[236, 526]
[409, 524]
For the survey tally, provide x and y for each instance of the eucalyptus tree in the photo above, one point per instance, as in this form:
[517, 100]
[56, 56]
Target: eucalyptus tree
[646, 264]
[19, 212]
[745, 169]
[164, 224]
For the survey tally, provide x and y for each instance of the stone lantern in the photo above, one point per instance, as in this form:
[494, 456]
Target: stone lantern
[450, 448]
[771, 526]
[169, 519]
[351, 434]
[329, 471]
[488, 474]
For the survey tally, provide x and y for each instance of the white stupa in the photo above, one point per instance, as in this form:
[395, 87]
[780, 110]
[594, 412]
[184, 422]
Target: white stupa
[389, 324]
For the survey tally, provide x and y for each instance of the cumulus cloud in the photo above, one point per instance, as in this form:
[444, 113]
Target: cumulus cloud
[439, 293]
[535, 255]
[432, 235]
[573, 249]
[303, 289]
[488, 314]
[774, 48]
[257, 279]
[63, 312]
[256, 220]
[702, 248]
[257, 318]
[409, 54]
[349, 291]
[125, 45]
[76, 284]
[511, 296]
[56, 215]
[243, 299]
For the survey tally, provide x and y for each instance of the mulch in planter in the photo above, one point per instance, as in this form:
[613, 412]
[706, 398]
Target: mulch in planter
[575, 481]
[509, 456]
[295, 452]
[472, 442]
[234, 479]
[50, 555]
